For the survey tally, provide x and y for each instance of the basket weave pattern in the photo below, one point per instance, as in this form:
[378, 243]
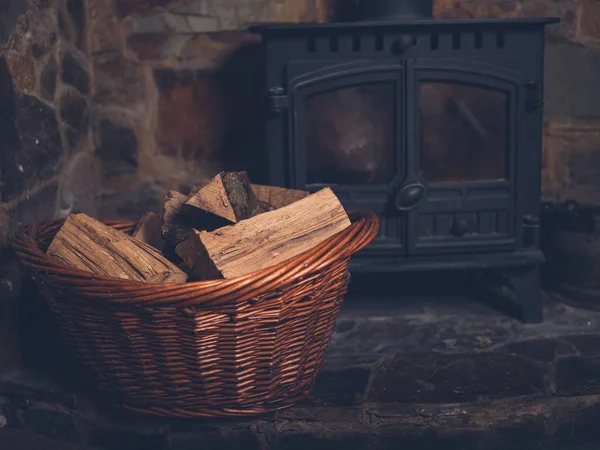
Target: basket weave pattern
[235, 347]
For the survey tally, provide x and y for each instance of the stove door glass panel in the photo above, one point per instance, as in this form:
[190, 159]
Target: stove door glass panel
[463, 132]
[351, 135]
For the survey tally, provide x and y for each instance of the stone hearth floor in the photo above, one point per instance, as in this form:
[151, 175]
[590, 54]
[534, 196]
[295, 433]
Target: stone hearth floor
[433, 370]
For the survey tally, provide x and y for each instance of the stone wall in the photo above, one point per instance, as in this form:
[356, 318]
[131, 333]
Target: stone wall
[107, 104]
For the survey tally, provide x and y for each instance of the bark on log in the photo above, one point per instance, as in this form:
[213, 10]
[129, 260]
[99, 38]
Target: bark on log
[264, 240]
[87, 244]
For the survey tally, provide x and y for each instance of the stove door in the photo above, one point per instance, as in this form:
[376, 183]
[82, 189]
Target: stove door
[347, 133]
[464, 140]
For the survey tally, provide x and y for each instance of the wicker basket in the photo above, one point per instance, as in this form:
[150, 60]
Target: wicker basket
[221, 348]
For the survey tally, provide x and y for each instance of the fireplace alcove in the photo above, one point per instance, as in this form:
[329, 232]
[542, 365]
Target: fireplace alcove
[433, 124]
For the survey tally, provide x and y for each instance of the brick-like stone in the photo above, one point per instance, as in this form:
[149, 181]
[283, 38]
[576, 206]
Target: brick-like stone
[103, 27]
[50, 423]
[117, 81]
[32, 149]
[74, 111]
[127, 7]
[48, 80]
[545, 350]
[35, 33]
[74, 73]
[577, 376]
[569, 151]
[567, 10]
[148, 46]
[71, 22]
[440, 378]
[117, 147]
[212, 51]
[590, 20]
[164, 22]
[22, 70]
[190, 117]
[587, 344]
[566, 67]
[344, 387]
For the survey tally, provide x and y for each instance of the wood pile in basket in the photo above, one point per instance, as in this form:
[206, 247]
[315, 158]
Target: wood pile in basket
[225, 228]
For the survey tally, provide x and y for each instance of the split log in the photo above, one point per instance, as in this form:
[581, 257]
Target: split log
[148, 230]
[176, 225]
[227, 196]
[87, 244]
[275, 197]
[264, 240]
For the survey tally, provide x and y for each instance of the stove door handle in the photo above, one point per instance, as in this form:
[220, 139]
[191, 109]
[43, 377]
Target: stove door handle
[409, 196]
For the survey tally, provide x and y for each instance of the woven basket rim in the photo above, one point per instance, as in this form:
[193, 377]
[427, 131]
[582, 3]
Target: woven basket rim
[364, 228]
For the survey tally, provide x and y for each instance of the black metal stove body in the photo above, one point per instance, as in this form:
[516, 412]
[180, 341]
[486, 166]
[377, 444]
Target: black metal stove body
[436, 125]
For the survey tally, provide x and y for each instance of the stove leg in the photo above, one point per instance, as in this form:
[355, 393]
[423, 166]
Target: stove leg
[528, 290]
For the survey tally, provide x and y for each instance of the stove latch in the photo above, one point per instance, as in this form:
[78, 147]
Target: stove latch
[533, 96]
[278, 101]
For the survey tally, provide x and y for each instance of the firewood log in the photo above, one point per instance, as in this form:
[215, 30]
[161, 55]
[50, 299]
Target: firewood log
[265, 239]
[228, 197]
[87, 244]
[275, 197]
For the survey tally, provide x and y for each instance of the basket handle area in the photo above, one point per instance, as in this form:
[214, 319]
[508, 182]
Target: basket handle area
[341, 246]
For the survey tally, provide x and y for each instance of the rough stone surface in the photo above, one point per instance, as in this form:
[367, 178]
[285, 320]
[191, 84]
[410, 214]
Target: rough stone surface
[22, 70]
[34, 152]
[568, 66]
[117, 147]
[48, 80]
[190, 120]
[117, 81]
[569, 157]
[435, 378]
[74, 111]
[74, 74]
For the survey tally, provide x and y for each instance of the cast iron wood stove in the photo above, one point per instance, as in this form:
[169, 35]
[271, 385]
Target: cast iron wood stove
[436, 125]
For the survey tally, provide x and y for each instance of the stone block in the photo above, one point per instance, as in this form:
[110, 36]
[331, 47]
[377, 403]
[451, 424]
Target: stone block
[543, 350]
[104, 28]
[566, 67]
[35, 33]
[49, 422]
[343, 387]
[590, 21]
[190, 115]
[74, 112]
[117, 81]
[577, 376]
[127, 7]
[570, 152]
[453, 378]
[117, 147]
[22, 70]
[48, 79]
[74, 73]
[165, 22]
[32, 148]
[567, 10]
